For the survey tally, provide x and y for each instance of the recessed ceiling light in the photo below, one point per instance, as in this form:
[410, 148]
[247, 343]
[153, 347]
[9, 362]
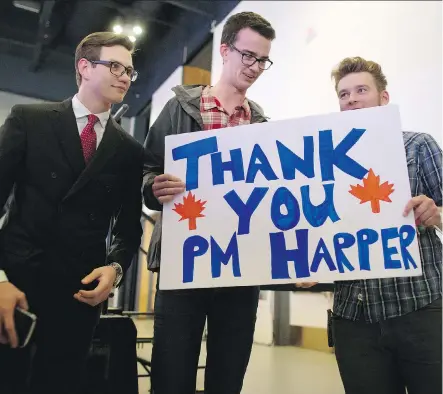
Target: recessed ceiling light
[117, 29]
[137, 30]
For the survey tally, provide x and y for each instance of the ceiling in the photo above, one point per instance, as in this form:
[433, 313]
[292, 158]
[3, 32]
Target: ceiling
[38, 41]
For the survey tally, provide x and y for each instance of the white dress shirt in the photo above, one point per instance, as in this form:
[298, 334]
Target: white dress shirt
[81, 116]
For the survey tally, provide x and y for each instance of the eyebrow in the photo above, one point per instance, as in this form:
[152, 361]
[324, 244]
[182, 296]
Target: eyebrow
[253, 53]
[117, 61]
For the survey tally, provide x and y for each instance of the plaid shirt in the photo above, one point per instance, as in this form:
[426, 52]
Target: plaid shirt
[215, 116]
[380, 299]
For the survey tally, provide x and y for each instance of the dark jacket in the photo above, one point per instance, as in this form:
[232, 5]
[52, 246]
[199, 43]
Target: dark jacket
[60, 210]
[181, 114]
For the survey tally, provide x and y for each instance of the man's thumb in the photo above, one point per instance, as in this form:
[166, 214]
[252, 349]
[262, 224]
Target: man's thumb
[23, 303]
[91, 277]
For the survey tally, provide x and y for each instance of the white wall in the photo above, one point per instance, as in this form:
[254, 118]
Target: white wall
[164, 93]
[405, 37]
[8, 100]
[264, 326]
[309, 309]
[128, 124]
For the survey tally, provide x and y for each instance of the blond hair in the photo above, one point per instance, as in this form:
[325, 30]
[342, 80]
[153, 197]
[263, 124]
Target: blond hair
[357, 64]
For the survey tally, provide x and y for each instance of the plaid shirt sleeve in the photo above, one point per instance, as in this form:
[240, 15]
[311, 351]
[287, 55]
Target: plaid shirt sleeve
[380, 299]
[429, 158]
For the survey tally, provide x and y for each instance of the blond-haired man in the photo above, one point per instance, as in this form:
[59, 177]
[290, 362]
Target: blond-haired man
[388, 332]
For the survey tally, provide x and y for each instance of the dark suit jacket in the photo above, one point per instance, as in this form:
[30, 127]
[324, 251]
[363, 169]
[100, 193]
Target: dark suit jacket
[60, 210]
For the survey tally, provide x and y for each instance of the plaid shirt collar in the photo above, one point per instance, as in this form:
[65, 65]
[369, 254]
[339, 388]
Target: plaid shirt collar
[209, 102]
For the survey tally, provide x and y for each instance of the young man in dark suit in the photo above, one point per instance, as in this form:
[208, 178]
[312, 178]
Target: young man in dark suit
[70, 171]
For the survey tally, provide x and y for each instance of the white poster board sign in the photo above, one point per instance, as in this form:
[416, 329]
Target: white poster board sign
[319, 198]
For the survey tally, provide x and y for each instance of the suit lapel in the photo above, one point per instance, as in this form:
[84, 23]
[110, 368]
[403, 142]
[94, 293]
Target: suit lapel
[66, 131]
[106, 149]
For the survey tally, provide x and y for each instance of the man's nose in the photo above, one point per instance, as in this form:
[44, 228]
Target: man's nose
[255, 67]
[352, 98]
[125, 78]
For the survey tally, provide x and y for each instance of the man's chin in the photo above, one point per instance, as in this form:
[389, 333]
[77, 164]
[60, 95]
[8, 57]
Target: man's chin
[116, 99]
[245, 85]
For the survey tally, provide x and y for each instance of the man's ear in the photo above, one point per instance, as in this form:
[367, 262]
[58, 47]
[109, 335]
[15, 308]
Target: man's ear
[84, 68]
[384, 99]
[224, 50]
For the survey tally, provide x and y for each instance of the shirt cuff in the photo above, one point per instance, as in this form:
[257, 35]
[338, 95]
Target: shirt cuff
[3, 277]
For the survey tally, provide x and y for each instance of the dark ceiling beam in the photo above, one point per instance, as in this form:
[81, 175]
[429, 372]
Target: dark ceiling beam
[188, 7]
[25, 50]
[49, 84]
[46, 33]
[133, 12]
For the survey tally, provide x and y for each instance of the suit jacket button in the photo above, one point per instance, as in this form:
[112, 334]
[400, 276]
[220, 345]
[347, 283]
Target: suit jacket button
[92, 216]
[53, 175]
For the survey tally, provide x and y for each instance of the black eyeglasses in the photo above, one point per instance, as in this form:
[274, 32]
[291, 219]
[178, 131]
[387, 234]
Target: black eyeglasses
[249, 60]
[117, 68]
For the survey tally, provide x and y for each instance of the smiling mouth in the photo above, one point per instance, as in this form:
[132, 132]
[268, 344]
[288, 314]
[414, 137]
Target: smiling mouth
[120, 88]
[249, 76]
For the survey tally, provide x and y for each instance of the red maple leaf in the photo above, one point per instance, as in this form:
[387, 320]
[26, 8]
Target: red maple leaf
[372, 191]
[190, 209]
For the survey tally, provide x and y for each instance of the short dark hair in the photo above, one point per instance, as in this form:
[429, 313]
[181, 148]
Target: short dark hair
[243, 20]
[357, 64]
[90, 47]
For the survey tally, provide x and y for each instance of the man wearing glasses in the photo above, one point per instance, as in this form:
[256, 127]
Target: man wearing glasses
[70, 170]
[180, 315]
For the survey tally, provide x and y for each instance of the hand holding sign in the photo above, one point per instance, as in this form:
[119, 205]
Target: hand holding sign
[166, 186]
[425, 211]
[305, 285]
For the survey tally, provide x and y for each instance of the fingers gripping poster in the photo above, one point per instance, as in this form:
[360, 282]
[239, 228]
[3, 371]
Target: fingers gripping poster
[319, 198]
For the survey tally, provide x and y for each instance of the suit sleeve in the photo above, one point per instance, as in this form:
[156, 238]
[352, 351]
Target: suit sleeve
[127, 230]
[12, 152]
[154, 160]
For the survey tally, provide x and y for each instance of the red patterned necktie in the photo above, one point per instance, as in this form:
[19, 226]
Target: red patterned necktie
[89, 138]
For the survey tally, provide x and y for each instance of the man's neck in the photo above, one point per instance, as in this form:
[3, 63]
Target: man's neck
[229, 96]
[96, 106]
